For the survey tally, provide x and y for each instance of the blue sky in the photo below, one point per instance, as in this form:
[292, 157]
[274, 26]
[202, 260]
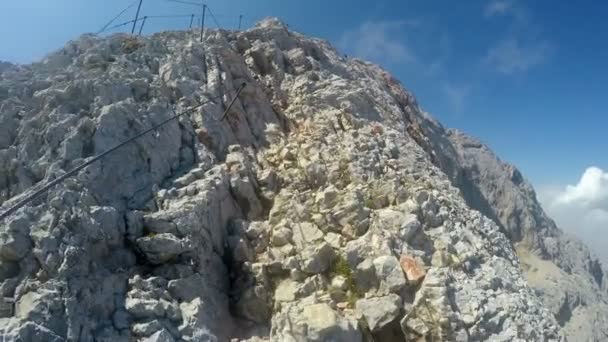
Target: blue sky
[528, 78]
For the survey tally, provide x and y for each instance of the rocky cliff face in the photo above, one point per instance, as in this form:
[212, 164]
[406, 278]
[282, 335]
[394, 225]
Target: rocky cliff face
[327, 206]
[571, 281]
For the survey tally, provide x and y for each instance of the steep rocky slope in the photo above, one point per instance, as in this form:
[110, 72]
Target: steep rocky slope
[326, 206]
[571, 281]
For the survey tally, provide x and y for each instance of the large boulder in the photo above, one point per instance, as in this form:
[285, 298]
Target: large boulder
[379, 311]
[160, 248]
[389, 273]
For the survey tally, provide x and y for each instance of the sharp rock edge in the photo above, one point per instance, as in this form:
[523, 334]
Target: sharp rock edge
[326, 206]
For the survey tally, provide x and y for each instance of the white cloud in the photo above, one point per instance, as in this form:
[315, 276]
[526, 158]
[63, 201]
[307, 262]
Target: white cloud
[379, 42]
[512, 55]
[581, 209]
[497, 7]
[591, 191]
[456, 95]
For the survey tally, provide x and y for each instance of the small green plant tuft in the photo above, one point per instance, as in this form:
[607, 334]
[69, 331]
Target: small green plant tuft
[340, 267]
[377, 195]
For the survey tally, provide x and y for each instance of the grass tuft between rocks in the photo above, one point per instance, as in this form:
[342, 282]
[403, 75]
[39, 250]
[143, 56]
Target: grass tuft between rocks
[341, 268]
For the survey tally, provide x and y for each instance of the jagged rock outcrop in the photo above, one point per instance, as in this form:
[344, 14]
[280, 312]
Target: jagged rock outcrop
[326, 206]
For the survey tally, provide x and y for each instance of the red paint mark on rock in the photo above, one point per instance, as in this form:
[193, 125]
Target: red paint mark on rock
[414, 272]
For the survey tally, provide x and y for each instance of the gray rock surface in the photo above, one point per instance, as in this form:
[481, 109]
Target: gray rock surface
[379, 311]
[287, 221]
[558, 266]
[314, 322]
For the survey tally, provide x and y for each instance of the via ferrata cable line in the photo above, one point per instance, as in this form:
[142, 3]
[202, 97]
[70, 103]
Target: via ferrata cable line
[72, 172]
[116, 17]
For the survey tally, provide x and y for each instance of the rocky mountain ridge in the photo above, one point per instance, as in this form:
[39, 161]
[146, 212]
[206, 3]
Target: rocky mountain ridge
[326, 206]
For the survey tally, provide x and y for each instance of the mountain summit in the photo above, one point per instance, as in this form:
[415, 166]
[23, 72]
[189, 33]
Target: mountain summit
[325, 206]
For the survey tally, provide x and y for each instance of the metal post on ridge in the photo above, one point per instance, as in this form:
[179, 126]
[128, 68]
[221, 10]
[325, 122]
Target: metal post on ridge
[136, 16]
[191, 20]
[142, 25]
[203, 22]
[240, 20]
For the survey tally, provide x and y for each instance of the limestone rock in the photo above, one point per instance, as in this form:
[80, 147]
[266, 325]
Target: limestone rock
[147, 328]
[305, 234]
[188, 288]
[313, 322]
[317, 259]
[14, 246]
[144, 308]
[379, 311]
[365, 275]
[160, 336]
[323, 324]
[286, 291]
[334, 240]
[163, 247]
[339, 282]
[389, 273]
[407, 225]
[281, 237]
